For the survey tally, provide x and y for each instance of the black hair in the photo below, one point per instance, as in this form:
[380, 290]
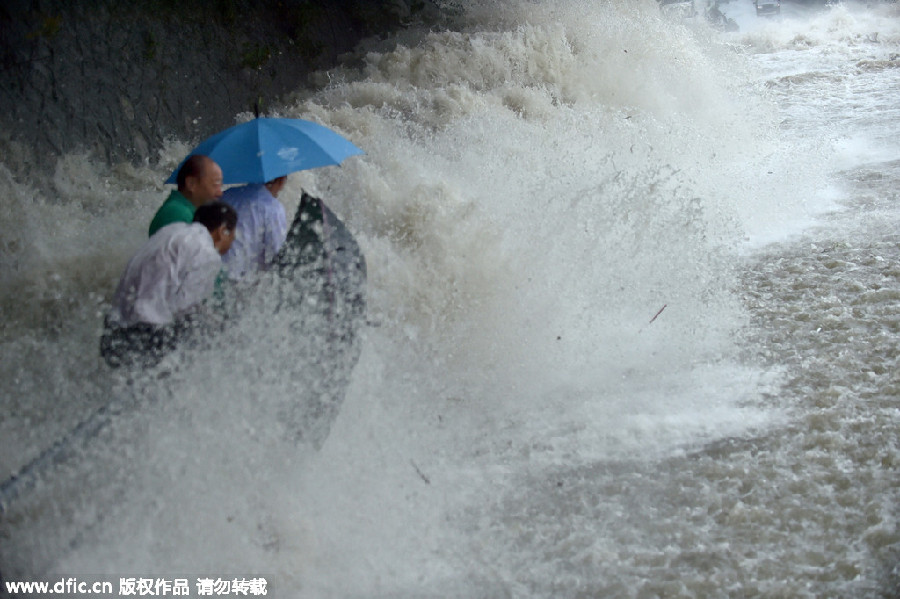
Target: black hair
[213, 215]
[191, 167]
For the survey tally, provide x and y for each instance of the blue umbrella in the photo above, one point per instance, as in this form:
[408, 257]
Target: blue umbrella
[267, 148]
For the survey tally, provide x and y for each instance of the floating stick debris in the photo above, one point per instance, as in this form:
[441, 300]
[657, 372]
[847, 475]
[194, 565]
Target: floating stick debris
[420, 473]
[657, 314]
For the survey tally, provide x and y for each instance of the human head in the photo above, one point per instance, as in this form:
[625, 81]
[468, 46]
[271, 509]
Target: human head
[276, 185]
[200, 179]
[220, 220]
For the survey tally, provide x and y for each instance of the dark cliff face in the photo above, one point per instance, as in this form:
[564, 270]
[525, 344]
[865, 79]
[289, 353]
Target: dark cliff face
[116, 78]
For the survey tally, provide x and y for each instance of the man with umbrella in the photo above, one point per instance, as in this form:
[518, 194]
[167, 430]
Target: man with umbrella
[199, 181]
[261, 153]
[262, 227]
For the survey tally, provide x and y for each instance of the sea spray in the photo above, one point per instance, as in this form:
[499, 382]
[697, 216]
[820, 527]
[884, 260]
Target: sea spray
[537, 185]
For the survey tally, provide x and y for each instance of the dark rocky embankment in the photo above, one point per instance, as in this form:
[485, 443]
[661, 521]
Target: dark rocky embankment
[116, 78]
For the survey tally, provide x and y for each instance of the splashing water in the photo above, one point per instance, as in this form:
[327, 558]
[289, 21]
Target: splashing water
[556, 203]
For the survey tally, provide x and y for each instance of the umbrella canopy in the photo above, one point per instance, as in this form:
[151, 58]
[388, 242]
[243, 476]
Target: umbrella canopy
[267, 148]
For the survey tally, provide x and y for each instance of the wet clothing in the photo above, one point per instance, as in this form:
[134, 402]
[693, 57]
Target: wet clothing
[142, 344]
[163, 283]
[176, 209]
[261, 230]
[174, 271]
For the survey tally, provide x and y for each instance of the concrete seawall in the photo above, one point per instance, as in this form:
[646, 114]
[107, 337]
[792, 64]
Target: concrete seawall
[116, 78]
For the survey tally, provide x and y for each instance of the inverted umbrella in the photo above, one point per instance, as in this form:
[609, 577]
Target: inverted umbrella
[267, 148]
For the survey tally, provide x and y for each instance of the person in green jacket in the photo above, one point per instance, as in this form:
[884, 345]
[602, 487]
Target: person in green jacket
[199, 181]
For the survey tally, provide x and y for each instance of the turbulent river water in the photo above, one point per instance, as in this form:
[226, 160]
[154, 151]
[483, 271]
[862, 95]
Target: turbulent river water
[635, 315]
